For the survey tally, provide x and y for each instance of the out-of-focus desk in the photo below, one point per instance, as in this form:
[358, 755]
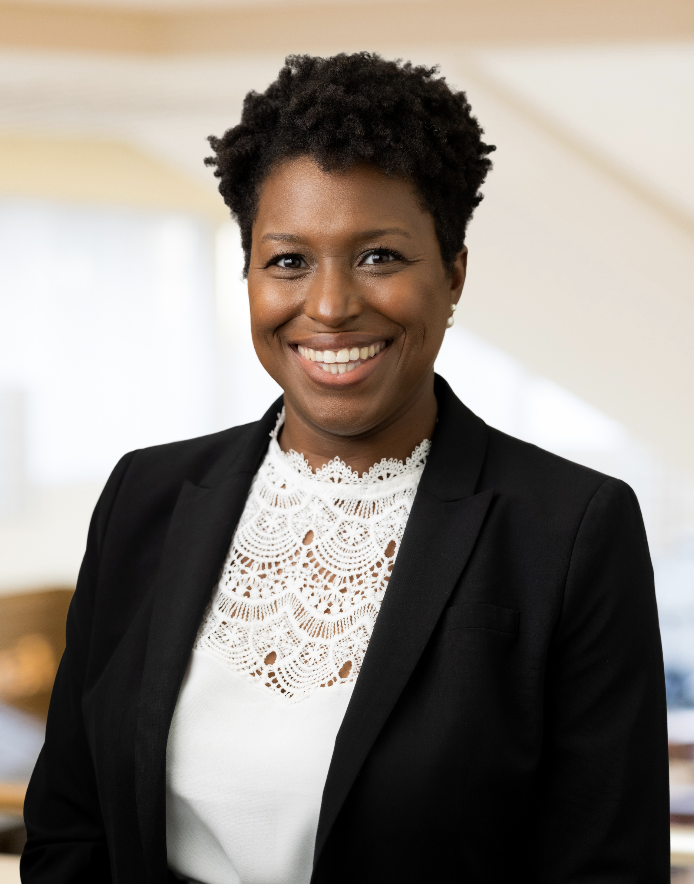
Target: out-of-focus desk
[12, 797]
[32, 638]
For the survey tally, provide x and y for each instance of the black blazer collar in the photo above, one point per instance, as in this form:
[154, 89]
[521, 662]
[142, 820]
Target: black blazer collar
[197, 541]
[441, 532]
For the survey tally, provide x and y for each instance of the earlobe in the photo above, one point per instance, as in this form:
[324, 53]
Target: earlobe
[451, 318]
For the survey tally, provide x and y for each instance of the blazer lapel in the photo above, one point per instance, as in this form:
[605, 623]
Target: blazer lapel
[197, 541]
[441, 531]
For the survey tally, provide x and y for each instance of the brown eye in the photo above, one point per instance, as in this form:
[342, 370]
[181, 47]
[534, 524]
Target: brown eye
[290, 262]
[379, 256]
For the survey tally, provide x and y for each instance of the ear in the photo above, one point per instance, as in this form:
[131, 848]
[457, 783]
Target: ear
[458, 273]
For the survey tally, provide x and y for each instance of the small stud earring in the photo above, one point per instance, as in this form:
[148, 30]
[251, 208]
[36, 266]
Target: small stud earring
[451, 318]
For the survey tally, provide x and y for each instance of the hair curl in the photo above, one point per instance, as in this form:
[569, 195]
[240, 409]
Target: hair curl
[359, 108]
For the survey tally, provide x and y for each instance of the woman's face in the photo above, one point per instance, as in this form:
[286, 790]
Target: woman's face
[349, 296]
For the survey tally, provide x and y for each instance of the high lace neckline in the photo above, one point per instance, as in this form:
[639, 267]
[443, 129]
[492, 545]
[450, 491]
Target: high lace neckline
[336, 471]
[307, 570]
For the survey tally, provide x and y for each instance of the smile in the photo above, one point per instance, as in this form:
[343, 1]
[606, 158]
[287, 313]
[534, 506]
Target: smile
[341, 361]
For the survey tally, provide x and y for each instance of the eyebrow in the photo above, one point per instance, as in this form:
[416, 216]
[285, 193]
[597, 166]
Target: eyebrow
[365, 234]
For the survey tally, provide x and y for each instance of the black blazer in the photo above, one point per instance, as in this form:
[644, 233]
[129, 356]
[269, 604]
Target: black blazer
[508, 723]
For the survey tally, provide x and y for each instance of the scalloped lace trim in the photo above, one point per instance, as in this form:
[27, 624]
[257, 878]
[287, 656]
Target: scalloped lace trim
[307, 570]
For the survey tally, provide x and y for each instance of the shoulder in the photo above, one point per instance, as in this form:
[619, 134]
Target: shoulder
[145, 484]
[545, 484]
[522, 462]
[528, 479]
[190, 459]
[567, 538]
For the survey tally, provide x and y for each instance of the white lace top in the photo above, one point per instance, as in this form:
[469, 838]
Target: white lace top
[274, 664]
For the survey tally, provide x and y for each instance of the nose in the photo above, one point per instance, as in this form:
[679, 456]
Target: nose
[332, 299]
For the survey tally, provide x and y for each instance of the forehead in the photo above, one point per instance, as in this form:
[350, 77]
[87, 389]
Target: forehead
[299, 197]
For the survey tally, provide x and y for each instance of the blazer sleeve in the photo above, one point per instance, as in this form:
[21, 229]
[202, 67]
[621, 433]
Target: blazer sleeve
[66, 842]
[603, 798]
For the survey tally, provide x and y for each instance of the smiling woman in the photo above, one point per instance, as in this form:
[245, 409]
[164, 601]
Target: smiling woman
[343, 262]
[366, 638]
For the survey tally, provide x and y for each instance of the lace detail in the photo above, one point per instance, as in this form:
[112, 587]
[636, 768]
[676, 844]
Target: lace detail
[307, 570]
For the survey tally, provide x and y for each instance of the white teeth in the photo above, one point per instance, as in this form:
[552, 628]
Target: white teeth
[341, 368]
[341, 360]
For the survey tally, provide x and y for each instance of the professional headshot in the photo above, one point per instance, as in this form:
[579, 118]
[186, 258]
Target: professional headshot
[366, 637]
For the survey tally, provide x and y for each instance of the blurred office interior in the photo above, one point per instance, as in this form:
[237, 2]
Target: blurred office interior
[123, 316]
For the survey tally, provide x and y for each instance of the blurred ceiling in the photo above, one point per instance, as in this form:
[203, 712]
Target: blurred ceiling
[174, 26]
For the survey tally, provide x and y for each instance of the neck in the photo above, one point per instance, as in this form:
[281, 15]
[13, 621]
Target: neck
[396, 437]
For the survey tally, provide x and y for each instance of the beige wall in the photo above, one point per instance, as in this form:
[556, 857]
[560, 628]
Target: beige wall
[583, 275]
[95, 170]
[44, 544]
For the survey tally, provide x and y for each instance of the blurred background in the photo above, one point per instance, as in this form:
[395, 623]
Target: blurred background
[123, 317]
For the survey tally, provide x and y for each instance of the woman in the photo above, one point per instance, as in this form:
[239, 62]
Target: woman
[367, 638]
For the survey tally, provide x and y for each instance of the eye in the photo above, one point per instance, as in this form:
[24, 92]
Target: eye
[289, 262]
[376, 257]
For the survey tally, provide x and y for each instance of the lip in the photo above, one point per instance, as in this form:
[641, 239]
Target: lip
[338, 342]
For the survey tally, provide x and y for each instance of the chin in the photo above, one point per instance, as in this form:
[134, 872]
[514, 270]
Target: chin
[343, 413]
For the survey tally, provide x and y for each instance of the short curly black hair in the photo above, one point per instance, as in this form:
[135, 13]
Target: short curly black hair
[356, 108]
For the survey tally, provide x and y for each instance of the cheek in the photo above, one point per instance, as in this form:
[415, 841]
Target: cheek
[421, 313]
[270, 308]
